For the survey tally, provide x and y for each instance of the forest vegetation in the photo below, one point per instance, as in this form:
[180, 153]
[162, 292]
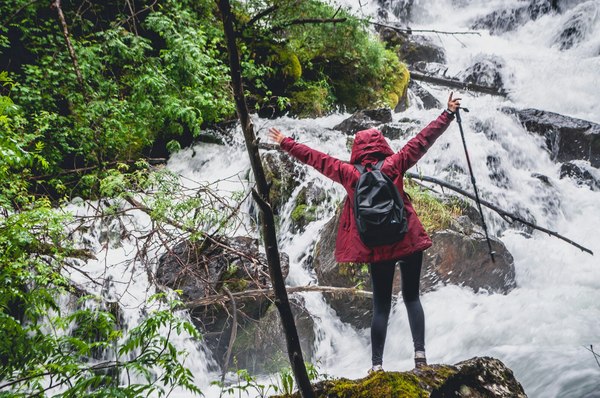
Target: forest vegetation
[95, 92]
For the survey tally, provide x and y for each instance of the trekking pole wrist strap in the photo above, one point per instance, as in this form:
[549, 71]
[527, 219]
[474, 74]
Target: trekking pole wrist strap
[448, 111]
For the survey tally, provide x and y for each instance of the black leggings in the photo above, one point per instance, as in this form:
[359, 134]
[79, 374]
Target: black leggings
[382, 276]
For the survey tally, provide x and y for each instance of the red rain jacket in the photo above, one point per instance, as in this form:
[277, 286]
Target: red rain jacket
[369, 147]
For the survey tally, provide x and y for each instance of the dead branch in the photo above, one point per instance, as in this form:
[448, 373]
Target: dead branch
[232, 336]
[503, 213]
[255, 293]
[596, 356]
[455, 83]
[411, 31]
[260, 15]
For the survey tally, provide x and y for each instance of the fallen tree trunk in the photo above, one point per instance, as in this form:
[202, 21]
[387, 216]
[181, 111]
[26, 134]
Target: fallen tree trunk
[224, 298]
[503, 213]
[454, 83]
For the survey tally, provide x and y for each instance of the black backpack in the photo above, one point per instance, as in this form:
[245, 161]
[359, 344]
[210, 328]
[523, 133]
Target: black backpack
[378, 208]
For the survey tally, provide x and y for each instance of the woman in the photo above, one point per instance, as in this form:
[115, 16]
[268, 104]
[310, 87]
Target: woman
[369, 148]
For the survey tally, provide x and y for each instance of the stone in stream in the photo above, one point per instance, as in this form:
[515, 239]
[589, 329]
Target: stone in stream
[566, 138]
[239, 265]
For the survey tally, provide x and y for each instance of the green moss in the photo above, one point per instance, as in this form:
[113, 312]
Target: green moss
[304, 213]
[290, 65]
[434, 214]
[385, 384]
[311, 99]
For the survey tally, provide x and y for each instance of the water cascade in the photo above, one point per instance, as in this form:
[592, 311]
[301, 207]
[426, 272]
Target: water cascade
[547, 59]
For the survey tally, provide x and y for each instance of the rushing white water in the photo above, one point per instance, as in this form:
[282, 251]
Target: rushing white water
[542, 328]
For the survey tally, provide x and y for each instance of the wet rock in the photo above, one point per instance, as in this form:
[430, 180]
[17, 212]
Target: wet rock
[401, 128]
[261, 347]
[485, 71]
[508, 19]
[283, 175]
[425, 99]
[459, 256]
[237, 264]
[413, 48]
[578, 25]
[459, 259]
[401, 9]
[364, 119]
[582, 173]
[566, 138]
[496, 172]
[478, 377]
[305, 207]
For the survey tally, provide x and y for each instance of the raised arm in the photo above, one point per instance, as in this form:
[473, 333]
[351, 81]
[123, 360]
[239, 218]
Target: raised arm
[418, 145]
[327, 165]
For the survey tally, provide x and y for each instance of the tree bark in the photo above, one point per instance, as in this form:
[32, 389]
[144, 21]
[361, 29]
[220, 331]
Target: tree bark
[261, 195]
[458, 84]
[65, 30]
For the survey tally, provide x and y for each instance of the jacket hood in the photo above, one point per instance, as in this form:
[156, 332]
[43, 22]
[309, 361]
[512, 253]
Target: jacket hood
[369, 146]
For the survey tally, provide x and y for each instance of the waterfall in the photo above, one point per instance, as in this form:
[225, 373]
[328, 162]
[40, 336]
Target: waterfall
[549, 59]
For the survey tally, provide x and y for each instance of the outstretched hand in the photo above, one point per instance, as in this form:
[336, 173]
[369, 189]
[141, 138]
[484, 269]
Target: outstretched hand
[453, 104]
[276, 135]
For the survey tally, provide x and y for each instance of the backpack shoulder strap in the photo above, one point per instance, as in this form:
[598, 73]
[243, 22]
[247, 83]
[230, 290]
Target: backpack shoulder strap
[360, 168]
[378, 165]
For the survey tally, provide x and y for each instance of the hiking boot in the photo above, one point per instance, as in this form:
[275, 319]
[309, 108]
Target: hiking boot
[376, 369]
[420, 359]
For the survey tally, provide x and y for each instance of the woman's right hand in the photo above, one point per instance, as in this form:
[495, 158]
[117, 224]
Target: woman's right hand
[276, 135]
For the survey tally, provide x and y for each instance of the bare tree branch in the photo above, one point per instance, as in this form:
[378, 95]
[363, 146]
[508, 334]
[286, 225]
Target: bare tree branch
[255, 293]
[455, 83]
[410, 31]
[503, 213]
[233, 334]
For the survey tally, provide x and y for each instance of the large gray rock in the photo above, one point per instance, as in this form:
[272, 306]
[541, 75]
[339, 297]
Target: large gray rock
[261, 347]
[364, 119]
[237, 264]
[567, 138]
[485, 71]
[459, 256]
[479, 377]
[508, 19]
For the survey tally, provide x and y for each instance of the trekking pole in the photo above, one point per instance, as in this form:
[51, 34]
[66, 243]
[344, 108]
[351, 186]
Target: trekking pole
[462, 134]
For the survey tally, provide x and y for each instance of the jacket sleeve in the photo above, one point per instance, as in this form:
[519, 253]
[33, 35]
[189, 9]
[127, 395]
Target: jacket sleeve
[327, 165]
[418, 145]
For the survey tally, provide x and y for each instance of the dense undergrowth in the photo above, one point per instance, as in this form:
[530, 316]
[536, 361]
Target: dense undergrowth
[144, 79]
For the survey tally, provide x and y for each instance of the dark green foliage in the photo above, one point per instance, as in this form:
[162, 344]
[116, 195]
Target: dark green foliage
[142, 90]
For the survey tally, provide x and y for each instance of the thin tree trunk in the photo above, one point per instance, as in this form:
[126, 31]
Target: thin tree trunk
[65, 30]
[261, 195]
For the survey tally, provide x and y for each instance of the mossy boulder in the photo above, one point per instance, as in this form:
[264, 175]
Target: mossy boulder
[283, 175]
[479, 377]
[567, 138]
